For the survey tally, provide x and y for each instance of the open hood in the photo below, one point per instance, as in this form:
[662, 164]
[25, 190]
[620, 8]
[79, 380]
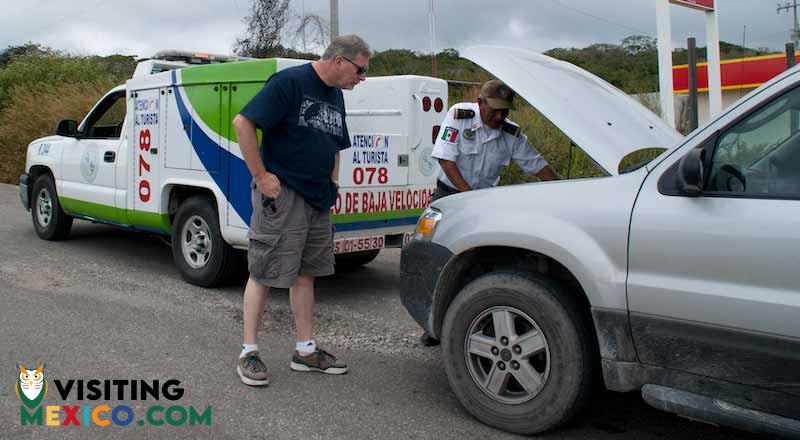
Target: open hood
[600, 119]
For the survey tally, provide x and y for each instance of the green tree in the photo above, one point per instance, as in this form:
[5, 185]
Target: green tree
[24, 50]
[636, 44]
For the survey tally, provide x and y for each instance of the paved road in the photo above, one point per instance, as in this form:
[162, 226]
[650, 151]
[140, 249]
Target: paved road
[108, 304]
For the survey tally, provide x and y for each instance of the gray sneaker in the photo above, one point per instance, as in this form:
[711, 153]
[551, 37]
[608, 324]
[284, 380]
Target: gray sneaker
[252, 371]
[319, 361]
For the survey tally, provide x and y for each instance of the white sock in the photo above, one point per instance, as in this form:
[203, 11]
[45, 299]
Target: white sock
[305, 348]
[247, 348]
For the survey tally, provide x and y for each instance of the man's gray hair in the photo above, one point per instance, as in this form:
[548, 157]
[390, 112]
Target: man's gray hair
[348, 46]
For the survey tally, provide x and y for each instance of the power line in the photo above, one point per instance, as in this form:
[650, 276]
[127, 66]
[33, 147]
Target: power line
[596, 17]
[786, 8]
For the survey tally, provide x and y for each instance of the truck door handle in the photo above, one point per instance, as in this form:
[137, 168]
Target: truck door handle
[109, 156]
[154, 151]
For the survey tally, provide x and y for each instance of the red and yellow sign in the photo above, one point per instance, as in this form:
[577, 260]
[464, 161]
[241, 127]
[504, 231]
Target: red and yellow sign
[705, 5]
[741, 73]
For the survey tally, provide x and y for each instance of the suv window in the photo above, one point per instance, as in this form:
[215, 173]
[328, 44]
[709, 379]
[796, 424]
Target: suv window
[107, 119]
[760, 155]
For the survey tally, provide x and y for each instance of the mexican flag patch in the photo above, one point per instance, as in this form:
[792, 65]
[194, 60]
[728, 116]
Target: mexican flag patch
[450, 134]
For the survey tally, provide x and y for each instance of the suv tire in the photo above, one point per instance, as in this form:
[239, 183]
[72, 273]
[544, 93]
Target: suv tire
[202, 256]
[49, 220]
[549, 350]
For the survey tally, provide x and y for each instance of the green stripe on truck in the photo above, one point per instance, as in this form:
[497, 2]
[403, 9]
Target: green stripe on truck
[161, 222]
[365, 216]
[199, 82]
[122, 217]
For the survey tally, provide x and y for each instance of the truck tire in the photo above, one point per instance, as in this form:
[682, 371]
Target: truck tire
[203, 258]
[517, 353]
[354, 260]
[49, 220]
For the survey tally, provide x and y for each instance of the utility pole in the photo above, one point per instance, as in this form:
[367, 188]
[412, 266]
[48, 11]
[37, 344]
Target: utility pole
[302, 21]
[334, 19]
[793, 7]
[432, 26]
[693, 113]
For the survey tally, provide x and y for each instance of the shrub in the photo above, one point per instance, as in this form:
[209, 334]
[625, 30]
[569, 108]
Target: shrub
[40, 86]
[552, 144]
[33, 113]
[42, 70]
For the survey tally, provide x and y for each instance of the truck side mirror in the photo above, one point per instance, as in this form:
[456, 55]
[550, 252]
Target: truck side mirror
[67, 127]
[690, 172]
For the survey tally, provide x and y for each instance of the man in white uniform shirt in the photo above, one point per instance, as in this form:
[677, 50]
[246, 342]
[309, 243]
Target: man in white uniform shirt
[476, 142]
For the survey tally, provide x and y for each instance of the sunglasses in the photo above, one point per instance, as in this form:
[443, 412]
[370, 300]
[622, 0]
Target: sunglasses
[360, 70]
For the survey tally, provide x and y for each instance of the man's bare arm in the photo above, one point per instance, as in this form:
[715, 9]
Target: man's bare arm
[547, 173]
[267, 183]
[454, 175]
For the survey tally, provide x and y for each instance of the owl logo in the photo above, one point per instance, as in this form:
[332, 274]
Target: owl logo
[31, 386]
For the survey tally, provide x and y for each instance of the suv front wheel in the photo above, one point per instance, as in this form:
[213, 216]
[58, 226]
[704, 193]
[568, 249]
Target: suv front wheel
[518, 355]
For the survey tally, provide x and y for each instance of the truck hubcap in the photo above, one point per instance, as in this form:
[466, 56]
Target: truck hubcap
[44, 208]
[507, 355]
[196, 242]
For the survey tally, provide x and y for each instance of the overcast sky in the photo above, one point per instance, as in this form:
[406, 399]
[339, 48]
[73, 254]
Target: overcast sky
[142, 27]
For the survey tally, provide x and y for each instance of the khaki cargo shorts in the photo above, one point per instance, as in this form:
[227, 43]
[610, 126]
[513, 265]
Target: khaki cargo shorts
[293, 239]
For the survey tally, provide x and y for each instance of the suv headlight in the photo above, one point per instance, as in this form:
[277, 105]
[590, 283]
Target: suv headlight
[427, 223]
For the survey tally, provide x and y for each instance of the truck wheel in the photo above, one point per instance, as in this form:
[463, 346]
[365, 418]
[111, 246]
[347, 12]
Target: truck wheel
[203, 258]
[518, 355]
[49, 220]
[354, 260]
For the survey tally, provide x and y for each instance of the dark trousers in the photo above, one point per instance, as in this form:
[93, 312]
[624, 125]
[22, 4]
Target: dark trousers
[443, 190]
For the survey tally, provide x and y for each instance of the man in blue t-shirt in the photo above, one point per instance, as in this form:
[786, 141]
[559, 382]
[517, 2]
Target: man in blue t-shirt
[301, 114]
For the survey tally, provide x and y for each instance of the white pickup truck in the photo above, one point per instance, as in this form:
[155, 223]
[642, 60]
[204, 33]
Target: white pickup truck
[159, 154]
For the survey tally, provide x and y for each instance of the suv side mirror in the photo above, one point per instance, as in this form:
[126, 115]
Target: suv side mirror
[690, 172]
[67, 127]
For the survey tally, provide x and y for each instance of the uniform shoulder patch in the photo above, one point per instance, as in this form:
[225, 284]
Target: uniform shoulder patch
[450, 134]
[464, 113]
[511, 128]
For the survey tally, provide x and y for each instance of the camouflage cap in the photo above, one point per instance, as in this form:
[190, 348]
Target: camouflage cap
[497, 94]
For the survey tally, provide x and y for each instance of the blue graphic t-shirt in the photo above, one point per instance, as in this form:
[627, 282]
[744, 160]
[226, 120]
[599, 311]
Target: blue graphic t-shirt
[303, 126]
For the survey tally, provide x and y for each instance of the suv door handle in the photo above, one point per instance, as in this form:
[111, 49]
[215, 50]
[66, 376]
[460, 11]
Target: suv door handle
[109, 156]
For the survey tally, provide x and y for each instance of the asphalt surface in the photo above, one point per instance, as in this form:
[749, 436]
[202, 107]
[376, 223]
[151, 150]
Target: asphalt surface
[108, 304]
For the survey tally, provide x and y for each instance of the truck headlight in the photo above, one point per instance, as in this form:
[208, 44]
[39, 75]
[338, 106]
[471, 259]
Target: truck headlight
[427, 223]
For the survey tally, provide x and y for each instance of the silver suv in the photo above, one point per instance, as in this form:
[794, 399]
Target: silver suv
[680, 278]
